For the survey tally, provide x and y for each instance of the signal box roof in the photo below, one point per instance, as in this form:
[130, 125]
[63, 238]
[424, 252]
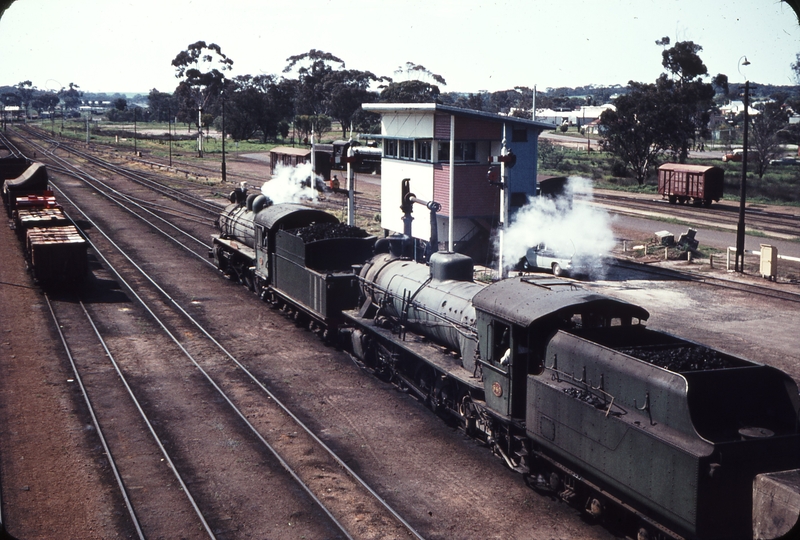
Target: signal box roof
[457, 111]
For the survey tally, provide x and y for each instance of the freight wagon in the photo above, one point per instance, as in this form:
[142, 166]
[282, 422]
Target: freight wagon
[680, 183]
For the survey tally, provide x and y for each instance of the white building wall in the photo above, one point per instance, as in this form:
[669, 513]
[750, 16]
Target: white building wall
[393, 172]
[405, 125]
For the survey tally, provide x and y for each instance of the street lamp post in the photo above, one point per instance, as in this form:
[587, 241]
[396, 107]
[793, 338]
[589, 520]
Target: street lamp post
[135, 149]
[740, 230]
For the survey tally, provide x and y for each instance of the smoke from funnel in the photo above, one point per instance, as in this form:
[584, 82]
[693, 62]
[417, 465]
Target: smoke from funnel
[292, 184]
[567, 223]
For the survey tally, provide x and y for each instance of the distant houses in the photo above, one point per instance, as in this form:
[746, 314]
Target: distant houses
[585, 115]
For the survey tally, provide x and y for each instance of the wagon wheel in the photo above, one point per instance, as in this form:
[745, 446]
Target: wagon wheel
[248, 281]
[673, 199]
[426, 383]
[446, 395]
[707, 203]
[466, 409]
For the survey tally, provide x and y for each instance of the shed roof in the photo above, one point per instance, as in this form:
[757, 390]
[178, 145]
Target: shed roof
[290, 150]
[448, 109]
[685, 167]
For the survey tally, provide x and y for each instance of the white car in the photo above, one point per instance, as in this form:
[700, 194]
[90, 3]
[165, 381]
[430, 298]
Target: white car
[560, 263]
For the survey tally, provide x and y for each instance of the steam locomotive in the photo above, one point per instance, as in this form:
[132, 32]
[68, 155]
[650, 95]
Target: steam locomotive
[567, 386]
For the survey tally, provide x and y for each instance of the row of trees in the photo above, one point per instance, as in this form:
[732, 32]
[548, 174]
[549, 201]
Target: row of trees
[27, 96]
[321, 92]
[669, 116]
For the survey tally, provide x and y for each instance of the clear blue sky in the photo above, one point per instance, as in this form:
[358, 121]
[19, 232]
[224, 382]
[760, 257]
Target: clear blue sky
[127, 46]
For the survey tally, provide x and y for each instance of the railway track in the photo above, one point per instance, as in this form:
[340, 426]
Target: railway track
[90, 360]
[49, 146]
[709, 280]
[309, 462]
[779, 224]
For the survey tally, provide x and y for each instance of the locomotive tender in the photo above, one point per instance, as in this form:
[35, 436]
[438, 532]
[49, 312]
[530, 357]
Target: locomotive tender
[567, 386]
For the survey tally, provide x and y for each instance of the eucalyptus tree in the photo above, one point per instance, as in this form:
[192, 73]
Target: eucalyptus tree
[26, 92]
[325, 88]
[202, 69]
[765, 134]
[71, 96]
[664, 117]
[313, 67]
[634, 132]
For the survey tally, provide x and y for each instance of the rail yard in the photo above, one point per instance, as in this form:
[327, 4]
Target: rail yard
[159, 400]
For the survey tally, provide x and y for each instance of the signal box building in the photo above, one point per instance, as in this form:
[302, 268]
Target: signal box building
[446, 152]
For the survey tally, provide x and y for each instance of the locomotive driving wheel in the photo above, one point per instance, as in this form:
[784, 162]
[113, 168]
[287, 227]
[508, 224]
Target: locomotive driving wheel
[425, 381]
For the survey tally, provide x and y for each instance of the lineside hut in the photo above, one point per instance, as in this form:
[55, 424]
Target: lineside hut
[445, 151]
[288, 156]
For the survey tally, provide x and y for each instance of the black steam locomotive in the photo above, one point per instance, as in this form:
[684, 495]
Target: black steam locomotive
[568, 387]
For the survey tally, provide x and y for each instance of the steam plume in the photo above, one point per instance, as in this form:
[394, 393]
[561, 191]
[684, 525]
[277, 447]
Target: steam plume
[568, 224]
[291, 184]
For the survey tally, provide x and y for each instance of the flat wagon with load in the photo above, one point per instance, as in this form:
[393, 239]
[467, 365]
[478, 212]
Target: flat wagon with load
[54, 248]
[681, 183]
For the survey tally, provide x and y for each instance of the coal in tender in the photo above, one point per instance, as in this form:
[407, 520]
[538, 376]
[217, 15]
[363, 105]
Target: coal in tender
[586, 396]
[326, 231]
[683, 359]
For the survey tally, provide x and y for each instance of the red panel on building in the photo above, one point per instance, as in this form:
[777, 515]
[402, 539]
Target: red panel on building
[478, 129]
[473, 196]
[441, 127]
[466, 128]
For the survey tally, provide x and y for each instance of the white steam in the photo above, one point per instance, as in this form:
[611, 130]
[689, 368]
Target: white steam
[567, 224]
[291, 184]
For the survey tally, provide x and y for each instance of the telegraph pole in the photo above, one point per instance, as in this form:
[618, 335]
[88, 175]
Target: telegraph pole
[224, 174]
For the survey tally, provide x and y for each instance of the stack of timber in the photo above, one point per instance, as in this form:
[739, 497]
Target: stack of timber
[57, 254]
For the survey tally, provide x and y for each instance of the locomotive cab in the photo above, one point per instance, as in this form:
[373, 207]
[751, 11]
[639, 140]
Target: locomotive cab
[507, 356]
[516, 318]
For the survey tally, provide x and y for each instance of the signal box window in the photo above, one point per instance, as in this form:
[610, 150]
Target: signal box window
[407, 149]
[423, 150]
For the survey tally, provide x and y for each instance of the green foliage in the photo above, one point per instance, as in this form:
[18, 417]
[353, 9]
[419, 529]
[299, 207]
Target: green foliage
[71, 97]
[410, 92]
[629, 130]
[618, 169]
[305, 124]
[163, 106]
[765, 139]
